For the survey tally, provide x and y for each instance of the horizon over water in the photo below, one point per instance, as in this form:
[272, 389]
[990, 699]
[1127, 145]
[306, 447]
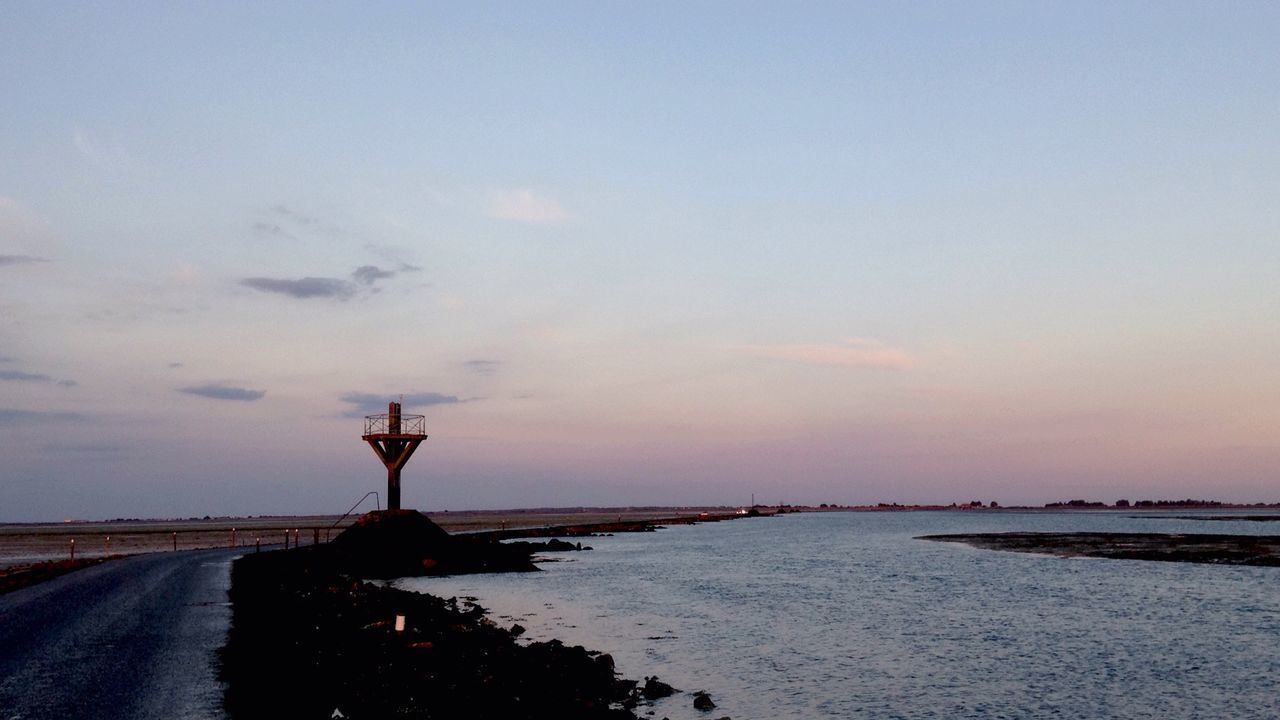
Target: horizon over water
[847, 615]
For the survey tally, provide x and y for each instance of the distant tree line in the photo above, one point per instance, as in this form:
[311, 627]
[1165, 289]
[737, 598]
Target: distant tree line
[1122, 503]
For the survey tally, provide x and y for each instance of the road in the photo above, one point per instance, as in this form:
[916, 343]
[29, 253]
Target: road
[132, 638]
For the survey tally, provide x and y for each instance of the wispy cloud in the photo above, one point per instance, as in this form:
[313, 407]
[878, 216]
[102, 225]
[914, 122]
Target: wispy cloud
[24, 376]
[363, 279]
[21, 260]
[269, 228]
[292, 215]
[20, 376]
[393, 255]
[523, 205]
[14, 416]
[853, 353]
[370, 274]
[482, 367]
[371, 403]
[88, 449]
[283, 222]
[303, 288]
[223, 392]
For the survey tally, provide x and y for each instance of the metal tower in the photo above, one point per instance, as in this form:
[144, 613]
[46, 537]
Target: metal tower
[393, 438]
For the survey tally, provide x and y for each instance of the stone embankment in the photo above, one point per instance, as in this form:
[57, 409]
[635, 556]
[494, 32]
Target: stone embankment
[312, 636]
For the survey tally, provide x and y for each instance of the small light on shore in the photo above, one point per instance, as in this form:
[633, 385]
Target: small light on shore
[399, 623]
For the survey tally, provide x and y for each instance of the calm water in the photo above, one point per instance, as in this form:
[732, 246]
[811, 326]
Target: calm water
[844, 615]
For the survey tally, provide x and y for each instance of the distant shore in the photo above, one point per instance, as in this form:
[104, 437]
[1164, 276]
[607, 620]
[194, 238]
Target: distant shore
[1260, 550]
[30, 543]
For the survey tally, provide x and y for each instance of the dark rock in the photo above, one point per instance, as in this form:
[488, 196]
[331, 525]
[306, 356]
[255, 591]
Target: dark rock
[517, 630]
[402, 543]
[305, 638]
[655, 689]
[702, 701]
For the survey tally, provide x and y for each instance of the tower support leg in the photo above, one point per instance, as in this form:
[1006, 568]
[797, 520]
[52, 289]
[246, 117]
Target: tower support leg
[393, 488]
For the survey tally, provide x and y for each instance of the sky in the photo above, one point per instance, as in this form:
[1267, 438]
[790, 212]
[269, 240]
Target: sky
[637, 253]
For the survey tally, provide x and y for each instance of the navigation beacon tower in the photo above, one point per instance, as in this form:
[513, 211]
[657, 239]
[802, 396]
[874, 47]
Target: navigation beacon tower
[394, 437]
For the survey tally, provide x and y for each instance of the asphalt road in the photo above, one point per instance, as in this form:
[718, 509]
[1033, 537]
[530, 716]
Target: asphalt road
[132, 638]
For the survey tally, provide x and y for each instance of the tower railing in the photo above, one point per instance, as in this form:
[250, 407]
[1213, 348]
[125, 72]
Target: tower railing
[381, 424]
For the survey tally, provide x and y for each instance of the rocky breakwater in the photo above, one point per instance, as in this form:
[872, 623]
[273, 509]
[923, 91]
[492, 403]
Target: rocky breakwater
[313, 637]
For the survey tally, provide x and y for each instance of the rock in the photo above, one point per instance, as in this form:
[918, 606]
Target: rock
[605, 660]
[655, 689]
[517, 630]
[401, 543]
[702, 701]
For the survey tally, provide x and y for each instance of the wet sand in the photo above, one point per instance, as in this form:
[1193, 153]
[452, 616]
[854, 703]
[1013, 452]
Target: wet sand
[1214, 549]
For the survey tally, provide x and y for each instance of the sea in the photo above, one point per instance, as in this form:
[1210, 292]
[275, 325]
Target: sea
[848, 615]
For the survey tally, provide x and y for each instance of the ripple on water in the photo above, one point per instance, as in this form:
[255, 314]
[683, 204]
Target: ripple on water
[845, 615]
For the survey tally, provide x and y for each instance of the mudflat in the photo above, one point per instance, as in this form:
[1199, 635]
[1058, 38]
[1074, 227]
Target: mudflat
[1261, 550]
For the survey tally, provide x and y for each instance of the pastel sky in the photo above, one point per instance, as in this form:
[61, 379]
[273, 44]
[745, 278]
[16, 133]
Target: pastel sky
[644, 253]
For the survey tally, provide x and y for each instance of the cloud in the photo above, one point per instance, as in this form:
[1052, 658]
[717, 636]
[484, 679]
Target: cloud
[88, 449]
[303, 288]
[266, 228]
[522, 205]
[283, 222]
[854, 353]
[369, 274]
[13, 416]
[336, 288]
[175, 365]
[23, 376]
[393, 255]
[372, 403]
[222, 392]
[20, 376]
[292, 215]
[482, 367]
[21, 260]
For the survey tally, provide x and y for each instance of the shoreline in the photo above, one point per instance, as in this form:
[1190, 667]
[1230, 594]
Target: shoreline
[307, 622]
[1250, 550]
